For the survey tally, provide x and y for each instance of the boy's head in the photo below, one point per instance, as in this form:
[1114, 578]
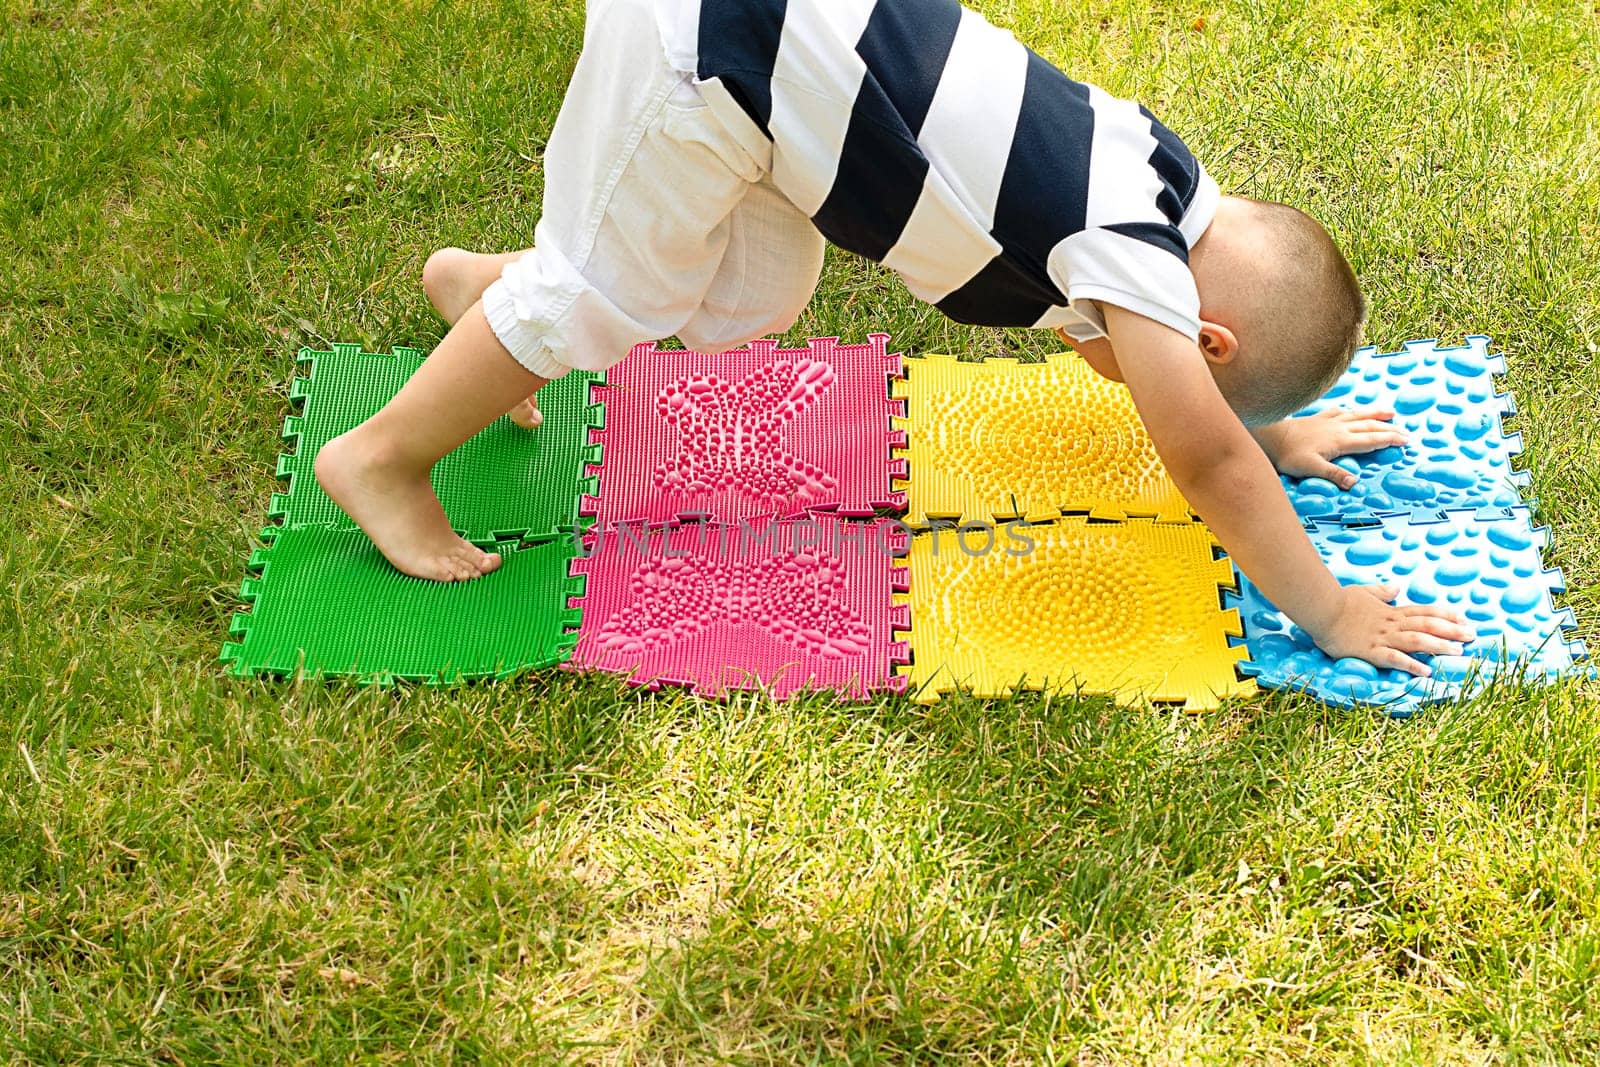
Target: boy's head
[1281, 308]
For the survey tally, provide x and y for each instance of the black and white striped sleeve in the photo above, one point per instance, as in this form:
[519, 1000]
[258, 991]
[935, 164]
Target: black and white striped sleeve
[1148, 200]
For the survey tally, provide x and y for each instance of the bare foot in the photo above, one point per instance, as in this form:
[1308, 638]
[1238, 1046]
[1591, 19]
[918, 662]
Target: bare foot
[399, 511]
[526, 414]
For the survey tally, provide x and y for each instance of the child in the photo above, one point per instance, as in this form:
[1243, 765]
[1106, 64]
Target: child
[706, 148]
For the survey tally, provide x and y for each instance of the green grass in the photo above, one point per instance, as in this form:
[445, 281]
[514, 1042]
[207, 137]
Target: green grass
[195, 869]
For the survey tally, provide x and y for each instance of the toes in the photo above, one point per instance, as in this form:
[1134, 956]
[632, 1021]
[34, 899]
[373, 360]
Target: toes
[450, 567]
[436, 570]
[527, 415]
[466, 563]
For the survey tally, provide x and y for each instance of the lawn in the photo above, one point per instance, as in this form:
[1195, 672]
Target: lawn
[557, 869]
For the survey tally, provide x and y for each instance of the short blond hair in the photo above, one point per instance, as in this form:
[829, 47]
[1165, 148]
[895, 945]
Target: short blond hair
[1300, 313]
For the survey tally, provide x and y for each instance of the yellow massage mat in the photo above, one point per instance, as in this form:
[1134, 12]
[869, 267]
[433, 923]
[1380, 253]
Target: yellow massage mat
[1131, 609]
[999, 439]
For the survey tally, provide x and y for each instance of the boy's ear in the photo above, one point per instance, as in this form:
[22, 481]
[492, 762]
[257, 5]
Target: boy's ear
[1218, 344]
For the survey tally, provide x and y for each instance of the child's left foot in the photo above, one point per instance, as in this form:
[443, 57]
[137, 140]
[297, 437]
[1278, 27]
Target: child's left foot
[399, 511]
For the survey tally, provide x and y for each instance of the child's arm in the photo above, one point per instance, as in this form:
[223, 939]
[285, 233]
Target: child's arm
[1224, 474]
[1306, 447]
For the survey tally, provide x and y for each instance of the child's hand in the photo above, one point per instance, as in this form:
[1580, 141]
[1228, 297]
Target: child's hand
[1305, 447]
[1367, 625]
[1226, 477]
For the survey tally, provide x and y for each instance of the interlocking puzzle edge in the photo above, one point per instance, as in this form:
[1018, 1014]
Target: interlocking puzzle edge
[255, 578]
[897, 612]
[1189, 699]
[1423, 693]
[1519, 480]
[1040, 512]
[820, 348]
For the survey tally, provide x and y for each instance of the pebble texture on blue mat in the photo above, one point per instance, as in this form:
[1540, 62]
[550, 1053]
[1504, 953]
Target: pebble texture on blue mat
[1491, 569]
[1459, 457]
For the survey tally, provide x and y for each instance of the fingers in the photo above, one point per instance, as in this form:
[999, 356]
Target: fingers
[1423, 618]
[1369, 427]
[1351, 441]
[1394, 659]
[1351, 415]
[1419, 631]
[1426, 644]
[1394, 652]
[1376, 431]
[1332, 472]
[1452, 625]
[1391, 637]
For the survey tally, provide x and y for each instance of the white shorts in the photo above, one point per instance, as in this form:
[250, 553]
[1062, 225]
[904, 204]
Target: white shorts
[657, 219]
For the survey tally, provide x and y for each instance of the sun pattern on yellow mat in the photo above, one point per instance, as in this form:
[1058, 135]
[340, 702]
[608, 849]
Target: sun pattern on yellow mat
[1130, 609]
[999, 439]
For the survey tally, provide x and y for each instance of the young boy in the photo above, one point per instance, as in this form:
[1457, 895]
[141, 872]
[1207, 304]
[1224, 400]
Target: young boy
[706, 148]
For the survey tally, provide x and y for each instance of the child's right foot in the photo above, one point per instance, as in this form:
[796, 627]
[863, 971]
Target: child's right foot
[400, 512]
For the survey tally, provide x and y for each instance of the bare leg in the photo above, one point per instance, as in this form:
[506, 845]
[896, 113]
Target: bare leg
[454, 280]
[378, 472]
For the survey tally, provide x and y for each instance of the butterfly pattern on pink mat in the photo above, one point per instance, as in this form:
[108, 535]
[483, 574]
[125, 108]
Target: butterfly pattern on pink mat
[730, 435]
[797, 598]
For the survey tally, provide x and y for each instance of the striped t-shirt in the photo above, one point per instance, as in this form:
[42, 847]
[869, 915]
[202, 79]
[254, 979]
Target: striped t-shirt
[916, 134]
